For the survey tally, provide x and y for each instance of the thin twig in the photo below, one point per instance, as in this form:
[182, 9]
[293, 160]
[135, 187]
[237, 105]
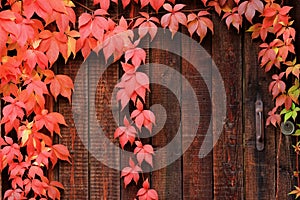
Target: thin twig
[150, 13]
[83, 6]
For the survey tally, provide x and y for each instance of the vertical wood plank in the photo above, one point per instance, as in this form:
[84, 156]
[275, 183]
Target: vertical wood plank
[285, 155]
[260, 166]
[228, 152]
[197, 172]
[75, 177]
[104, 181]
[167, 181]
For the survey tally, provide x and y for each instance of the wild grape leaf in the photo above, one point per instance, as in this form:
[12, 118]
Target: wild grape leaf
[284, 48]
[173, 18]
[72, 42]
[126, 133]
[199, 24]
[249, 8]
[143, 152]
[41, 7]
[63, 19]
[145, 193]
[146, 25]
[275, 15]
[294, 92]
[53, 191]
[26, 30]
[296, 192]
[273, 118]
[155, 4]
[52, 43]
[86, 45]
[61, 152]
[104, 4]
[291, 113]
[137, 56]
[233, 18]
[94, 25]
[284, 99]
[12, 151]
[14, 194]
[59, 84]
[259, 31]
[277, 86]
[287, 31]
[8, 89]
[142, 117]
[12, 113]
[50, 120]
[132, 84]
[7, 26]
[10, 70]
[216, 6]
[131, 173]
[292, 68]
[33, 57]
[269, 54]
[116, 39]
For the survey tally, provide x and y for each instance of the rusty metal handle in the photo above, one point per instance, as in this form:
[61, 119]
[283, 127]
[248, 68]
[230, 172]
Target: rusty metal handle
[259, 120]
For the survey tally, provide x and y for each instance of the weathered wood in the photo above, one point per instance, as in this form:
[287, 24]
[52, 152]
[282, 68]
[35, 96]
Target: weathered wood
[260, 166]
[164, 71]
[75, 177]
[197, 172]
[228, 152]
[104, 181]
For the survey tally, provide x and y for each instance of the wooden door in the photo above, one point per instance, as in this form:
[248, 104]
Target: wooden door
[233, 169]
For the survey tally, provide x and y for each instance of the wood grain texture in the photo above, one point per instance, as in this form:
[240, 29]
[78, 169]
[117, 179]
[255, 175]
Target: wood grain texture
[164, 71]
[75, 177]
[228, 152]
[260, 166]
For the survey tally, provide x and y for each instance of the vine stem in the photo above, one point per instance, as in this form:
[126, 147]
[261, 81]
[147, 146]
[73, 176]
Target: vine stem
[150, 13]
[83, 6]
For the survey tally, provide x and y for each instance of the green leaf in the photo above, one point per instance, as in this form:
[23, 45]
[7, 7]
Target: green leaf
[297, 133]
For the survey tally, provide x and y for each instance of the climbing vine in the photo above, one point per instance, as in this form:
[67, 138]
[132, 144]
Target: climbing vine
[34, 33]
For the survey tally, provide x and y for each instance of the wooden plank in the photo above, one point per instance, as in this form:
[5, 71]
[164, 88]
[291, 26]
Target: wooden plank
[228, 152]
[104, 181]
[164, 71]
[285, 159]
[197, 172]
[260, 166]
[75, 177]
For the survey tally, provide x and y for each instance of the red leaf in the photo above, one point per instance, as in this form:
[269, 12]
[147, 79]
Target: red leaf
[156, 4]
[273, 118]
[199, 24]
[147, 194]
[173, 18]
[49, 120]
[277, 86]
[137, 56]
[131, 173]
[61, 152]
[144, 152]
[125, 133]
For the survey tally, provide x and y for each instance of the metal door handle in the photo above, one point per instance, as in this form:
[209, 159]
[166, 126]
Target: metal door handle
[259, 120]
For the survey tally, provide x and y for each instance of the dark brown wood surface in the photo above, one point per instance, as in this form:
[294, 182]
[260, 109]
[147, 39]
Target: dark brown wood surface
[233, 170]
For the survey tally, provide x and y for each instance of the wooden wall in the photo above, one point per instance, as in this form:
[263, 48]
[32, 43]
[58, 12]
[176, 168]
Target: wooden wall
[234, 169]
